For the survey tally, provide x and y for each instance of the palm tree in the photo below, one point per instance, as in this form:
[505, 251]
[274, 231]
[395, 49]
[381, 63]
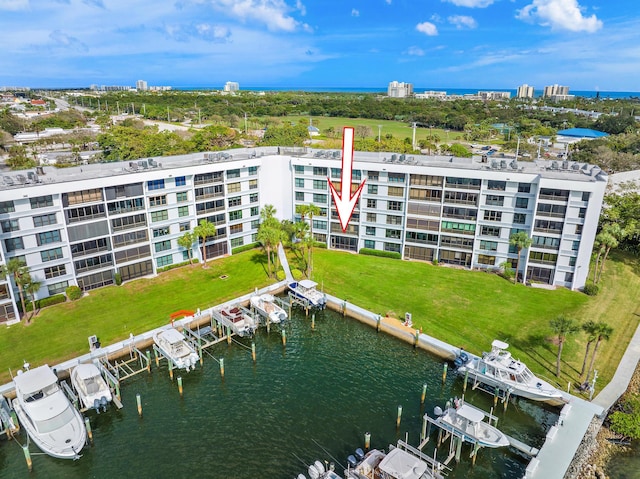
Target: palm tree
[309, 210]
[521, 241]
[31, 290]
[604, 333]
[186, 241]
[19, 272]
[598, 243]
[267, 213]
[204, 230]
[613, 235]
[591, 328]
[562, 327]
[269, 235]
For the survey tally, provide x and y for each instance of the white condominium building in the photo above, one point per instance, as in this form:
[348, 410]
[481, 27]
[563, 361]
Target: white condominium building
[399, 89]
[525, 91]
[231, 86]
[83, 225]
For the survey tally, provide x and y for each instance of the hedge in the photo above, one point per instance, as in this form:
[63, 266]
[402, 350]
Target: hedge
[44, 302]
[246, 247]
[177, 265]
[73, 293]
[377, 252]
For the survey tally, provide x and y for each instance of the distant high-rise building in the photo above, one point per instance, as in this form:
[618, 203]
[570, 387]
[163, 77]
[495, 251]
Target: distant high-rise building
[494, 95]
[553, 90]
[399, 89]
[525, 91]
[141, 85]
[231, 86]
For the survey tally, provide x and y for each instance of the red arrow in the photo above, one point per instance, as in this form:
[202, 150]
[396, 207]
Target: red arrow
[345, 202]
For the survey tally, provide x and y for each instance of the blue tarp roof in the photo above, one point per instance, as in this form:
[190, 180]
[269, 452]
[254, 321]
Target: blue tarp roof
[582, 133]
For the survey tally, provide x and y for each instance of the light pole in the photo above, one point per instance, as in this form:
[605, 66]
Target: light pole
[379, 130]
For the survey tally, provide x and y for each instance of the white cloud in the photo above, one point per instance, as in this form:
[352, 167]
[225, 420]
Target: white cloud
[462, 21]
[436, 18]
[427, 28]
[14, 5]
[415, 51]
[471, 3]
[273, 13]
[355, 13]
[301, 8]
[559, 15]
[201, 31]
[59, 39]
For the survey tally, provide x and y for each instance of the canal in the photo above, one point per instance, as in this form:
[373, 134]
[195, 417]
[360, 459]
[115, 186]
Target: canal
[313, 399]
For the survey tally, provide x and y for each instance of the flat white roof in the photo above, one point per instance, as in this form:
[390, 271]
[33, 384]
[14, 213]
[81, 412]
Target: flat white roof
[34, 380]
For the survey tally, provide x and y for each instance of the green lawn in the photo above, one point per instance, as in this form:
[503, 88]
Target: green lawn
[464, 308]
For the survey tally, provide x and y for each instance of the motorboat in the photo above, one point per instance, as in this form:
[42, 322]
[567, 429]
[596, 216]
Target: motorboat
[398, 463]
[175, 347]
[467, 422]
[266, 305]
[497, 368]
[238, 320]
[318, 470]
[306, 290]
[93, 391]
[47, 415]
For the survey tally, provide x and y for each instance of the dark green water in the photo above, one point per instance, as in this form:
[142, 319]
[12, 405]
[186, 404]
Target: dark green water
[626, 465]
[328, 387]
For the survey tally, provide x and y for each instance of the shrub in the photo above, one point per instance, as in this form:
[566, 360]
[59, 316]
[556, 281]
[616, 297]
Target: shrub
[280, 276]
[172, 266]
[73, 293]
[246, 247]
[435, 262]
[590, 289]
[384, 254]
[118, 279]
[297, 274]
[44, 302]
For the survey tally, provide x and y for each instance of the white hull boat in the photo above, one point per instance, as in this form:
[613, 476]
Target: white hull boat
[46, 414]
[396, 464]
[176, 348]
[238, 320]
[468, 423]
[306, 291]
[498, 369]
[266, 305]
[93, 391]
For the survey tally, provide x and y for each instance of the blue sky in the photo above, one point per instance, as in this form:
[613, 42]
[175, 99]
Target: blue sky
[585, 44]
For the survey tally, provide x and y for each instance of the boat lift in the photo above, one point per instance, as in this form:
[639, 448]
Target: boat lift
[8, 422]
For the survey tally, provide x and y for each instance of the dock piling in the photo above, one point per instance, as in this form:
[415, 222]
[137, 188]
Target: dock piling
[27, 457]
[466, 378]
[228, 335]
[399, 416]
[222, 367]
[170, 369]
[313, 321]
[496, 393]
[444, 373]
[180, 385]
[367, 441]
[87, 425]
[155, 351]
[284, 337]
[148, 360]
[424, 393]
[253, 352]
[139, 403]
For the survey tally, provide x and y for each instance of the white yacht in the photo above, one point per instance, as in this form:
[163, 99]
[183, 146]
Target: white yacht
[93, 391]
[238, 320]
[398, 463]
[468, 423]
[48, 417]
[176, 348]
[306, 290]
[498, 369]
[266, 305]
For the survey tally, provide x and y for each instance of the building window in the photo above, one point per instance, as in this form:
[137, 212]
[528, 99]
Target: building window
[572, 261]
[88, 264]
[519, 218]
[235, 242]
[236, 201]
[79, 197]
[164, 260]
[136, 270]
[579, 229]
[393, 234]
[319, 171]
[298, 169]
[51, 254]
[370, 231]
[486, 259]
[396, 177]
[181, 180]
[91, 246]
[370, 244]
[299, 182]
[44, 220]
[490, 231]
[255, 211]
[129, 222]
[157, 200]
[371, 203]
[582, 214]
[160, 232]
[183, 211]
[394, 205]
[319, 184]
[543, 258]
[494, 200]
[235, 215]
[48, 237]
[373, 175]
[7, 207]
[162, 246]
[496, 185]
[155, 185]
[524, 188]
[185, 226]
[575, 246]
[585, 196]
[394, 220]
[54, 271]
[253, 198]
[11, 225]
[395, 191]
[162, 215]
[57, 288]
[320, 199]
[253, 184]
[131, 237]
[462, 228]
[125, 206]
[371, 217]
[489, 245]
[233, 173]
[233, 188]
[558, 211]
[490, 215]
[299, 196]
[553, 194]
[235, 229]
[181, 197]
[545, 242]
[336, 172]
[255, 224]
[41, 202]
[466, 183]
[522, 203]
[253, 170]
[319, 225]
[372, 189]
[394, 247]
[425, 180]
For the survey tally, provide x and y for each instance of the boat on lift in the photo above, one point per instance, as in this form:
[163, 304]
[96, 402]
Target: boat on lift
[398, 463]
[266, 305]
[47, 415]
[305, 290]
[238, 320]
[467, 422]
[93, 391]
[175, 347]
[498, 369]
